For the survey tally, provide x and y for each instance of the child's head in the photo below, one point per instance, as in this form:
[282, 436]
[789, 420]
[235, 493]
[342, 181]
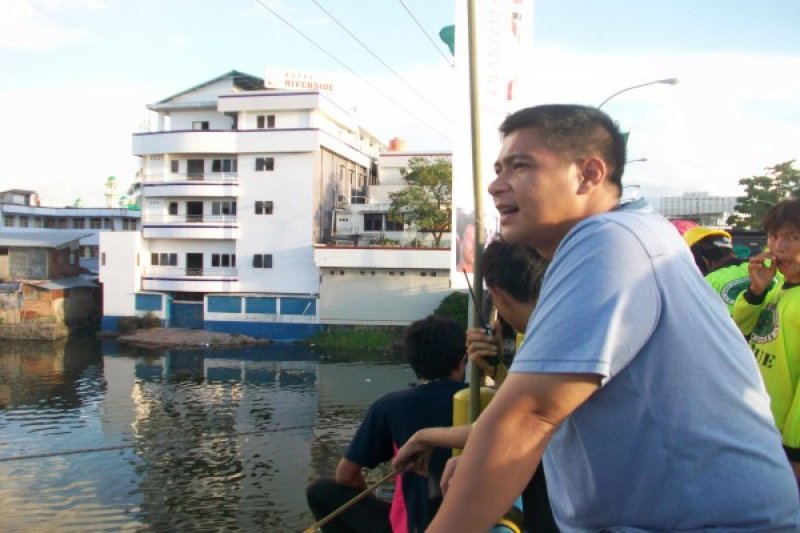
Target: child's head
[782, 224]
[435, 346]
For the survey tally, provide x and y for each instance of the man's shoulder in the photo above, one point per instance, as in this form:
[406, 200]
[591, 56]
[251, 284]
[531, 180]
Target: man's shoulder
[622, 227]
[432, 388]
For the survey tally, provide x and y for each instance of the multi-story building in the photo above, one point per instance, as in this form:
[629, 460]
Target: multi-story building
[20, 211]
[238, 183]
[698, 206]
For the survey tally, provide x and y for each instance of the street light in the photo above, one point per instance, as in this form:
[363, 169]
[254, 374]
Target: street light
[668, 81]
[640, 160]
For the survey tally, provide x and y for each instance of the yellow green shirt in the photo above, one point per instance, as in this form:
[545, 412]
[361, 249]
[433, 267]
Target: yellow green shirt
[773, 329]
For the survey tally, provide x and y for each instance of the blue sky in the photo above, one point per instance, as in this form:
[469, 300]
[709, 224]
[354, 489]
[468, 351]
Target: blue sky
[77, 74]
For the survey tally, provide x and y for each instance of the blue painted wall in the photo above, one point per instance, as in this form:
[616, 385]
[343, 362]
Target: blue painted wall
[265, 330]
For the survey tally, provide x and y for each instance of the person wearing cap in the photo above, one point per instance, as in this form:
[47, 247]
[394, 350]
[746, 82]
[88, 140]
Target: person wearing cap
[771, 320]
[713, 253]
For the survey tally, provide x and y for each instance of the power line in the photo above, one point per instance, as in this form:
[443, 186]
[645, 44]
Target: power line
[356, 74]
[365, 47]
[426, 33]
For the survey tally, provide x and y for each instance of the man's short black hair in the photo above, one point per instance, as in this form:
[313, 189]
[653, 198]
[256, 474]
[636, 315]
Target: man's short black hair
[515, 268]
[786, 213]
[575, 131]
[435, 346]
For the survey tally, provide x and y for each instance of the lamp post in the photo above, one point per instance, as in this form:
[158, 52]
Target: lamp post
[640, 160]
[668, 81]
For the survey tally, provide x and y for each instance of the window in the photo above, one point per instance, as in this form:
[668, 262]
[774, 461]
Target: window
[262, 261]
[223, 207]
[78, 223]
[37, 222]
[269, 119]
[265, 164]
[61, 223]
[174, 166]
[95, 223]
[394, 226]
[50, 223]
[223, 260]
[23, 221]
[263, 208]
[173, 208]
[8, 221]
[164, 259]
[107, 223]
[200, 125]
[224, 304]
[223, 165]
[103, 258]
[373, 221]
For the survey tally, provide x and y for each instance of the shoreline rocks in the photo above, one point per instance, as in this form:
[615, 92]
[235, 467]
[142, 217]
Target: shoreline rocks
[190, 338]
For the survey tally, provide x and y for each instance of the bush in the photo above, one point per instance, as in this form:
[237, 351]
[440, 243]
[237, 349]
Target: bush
[129, 324]
[454, 305]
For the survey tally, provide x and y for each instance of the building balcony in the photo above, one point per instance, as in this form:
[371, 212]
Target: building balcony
[207, 185]
[190, 227]
[226, 141]
[200, 279]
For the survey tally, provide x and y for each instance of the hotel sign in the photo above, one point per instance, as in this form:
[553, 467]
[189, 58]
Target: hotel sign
[295, 79]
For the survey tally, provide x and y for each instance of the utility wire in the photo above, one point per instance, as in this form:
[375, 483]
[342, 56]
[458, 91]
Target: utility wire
[356, 74]
[449, 62]
[367, 48]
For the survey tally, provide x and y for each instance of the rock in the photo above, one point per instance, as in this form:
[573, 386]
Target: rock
[176, 337]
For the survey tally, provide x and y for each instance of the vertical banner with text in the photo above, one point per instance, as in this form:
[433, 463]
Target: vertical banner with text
[504, 37]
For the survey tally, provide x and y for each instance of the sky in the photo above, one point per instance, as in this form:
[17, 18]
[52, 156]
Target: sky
[76, 75]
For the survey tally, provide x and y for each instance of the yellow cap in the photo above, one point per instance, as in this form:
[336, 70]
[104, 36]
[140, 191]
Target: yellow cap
[697, 234]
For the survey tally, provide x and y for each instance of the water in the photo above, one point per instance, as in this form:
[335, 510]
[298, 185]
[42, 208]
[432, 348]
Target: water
[99, 437]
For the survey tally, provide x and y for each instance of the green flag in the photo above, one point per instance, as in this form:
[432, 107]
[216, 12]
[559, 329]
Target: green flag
[448, 36]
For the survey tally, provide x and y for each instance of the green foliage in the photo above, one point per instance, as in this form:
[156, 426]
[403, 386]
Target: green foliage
[455, 306]
[426, 201]
[129, 324]
[357, 338]
[762, 192]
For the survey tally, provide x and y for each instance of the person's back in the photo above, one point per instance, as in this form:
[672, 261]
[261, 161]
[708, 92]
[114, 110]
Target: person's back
[434, 348]
[681, 390]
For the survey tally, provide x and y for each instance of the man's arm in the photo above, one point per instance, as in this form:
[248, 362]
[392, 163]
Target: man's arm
[506, 445]
[415, 453]
[349, 474]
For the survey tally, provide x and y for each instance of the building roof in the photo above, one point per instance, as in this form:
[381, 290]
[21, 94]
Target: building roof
[10, 286]
[41, 239]
[62, 283]
[241, 80]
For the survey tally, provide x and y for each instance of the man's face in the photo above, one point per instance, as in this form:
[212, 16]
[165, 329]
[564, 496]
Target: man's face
[785, 244]
[535, 192]
[468, 243]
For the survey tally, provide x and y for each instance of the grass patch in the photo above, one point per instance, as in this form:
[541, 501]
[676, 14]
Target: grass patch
[370, 339]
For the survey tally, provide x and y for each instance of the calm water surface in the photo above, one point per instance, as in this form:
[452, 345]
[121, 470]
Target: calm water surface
[102, 437]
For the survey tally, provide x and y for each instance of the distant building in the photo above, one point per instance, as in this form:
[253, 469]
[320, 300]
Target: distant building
[698, 206]
[42, 295]
[240, 186]
[20, 211]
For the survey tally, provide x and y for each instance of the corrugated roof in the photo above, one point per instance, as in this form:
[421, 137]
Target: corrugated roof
[10, 286]
[244, 81]
[62, 283]
[41, 239]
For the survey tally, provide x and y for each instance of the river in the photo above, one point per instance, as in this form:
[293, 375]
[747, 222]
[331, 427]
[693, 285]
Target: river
[99, 436]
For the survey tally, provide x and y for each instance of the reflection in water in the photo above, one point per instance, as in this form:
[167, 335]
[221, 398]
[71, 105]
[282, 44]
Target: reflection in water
[120, 438]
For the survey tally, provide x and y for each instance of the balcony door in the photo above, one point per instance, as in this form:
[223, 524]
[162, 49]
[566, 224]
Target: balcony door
[194, 264]
[195, 168]
[194, 211]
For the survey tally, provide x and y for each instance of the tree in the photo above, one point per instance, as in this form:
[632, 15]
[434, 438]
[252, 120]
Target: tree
[762, 192]
[426, 201]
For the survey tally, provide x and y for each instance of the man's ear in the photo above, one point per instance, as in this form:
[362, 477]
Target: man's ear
[593, 173]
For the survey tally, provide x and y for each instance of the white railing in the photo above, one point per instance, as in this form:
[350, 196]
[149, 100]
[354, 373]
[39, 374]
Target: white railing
[189, 219]
[192, 272]
[229, 177]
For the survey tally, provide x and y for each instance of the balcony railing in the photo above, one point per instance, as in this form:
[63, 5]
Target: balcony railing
[229, 177]
[191, 219]
[191, 272]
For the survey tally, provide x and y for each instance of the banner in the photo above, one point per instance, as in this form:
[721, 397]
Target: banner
[504, 38]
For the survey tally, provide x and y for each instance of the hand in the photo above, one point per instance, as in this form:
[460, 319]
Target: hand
[479, 347]
[413, 456]
[447, 474]
[760, 274]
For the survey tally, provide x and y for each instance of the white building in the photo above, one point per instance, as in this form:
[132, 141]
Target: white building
[238, 185]
[698, 206]
[20, 211]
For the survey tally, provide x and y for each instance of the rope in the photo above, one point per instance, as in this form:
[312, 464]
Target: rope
[313, 528]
